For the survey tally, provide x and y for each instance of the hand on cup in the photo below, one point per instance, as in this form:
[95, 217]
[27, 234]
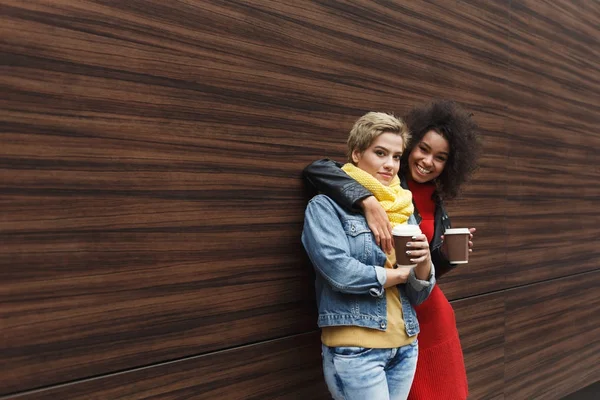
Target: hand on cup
[444, 245]
[457, 244]
[404, 234]
[418, 250]
[412, 250]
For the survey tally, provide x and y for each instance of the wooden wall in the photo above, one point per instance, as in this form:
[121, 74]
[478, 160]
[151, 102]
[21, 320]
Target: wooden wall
[151, 195]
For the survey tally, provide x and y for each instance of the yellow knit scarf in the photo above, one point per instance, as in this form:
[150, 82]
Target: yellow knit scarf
[396, 201]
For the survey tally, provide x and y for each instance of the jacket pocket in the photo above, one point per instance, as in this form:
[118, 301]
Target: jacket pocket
[360, 239]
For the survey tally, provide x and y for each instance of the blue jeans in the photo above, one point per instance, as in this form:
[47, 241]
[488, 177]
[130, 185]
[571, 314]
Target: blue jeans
[358, 373]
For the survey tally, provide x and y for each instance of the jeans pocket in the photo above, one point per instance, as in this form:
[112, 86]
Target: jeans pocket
[350, 351]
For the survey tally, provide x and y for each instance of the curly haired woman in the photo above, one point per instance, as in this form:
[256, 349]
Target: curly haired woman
[439, 159]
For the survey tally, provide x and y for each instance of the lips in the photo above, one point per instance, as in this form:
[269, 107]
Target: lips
[386, 175]
[422, 170]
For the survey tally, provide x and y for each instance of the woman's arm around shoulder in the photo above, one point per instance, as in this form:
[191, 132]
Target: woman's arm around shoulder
[327, 177]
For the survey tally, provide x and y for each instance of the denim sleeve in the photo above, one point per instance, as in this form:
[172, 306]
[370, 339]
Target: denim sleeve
[418, 290]
[325, 242]
[328, 178]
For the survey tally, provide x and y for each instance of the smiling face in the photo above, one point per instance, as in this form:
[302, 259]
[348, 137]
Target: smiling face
[382, 158]
[428, 158]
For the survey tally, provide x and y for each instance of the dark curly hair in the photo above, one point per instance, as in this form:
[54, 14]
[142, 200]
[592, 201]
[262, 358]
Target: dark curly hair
[455, 124]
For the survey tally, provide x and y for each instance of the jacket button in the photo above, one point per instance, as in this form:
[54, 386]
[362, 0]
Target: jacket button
[382, 325]
[353, 229]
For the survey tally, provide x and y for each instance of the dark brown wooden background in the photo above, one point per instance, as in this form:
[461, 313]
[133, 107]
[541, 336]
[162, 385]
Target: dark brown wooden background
[152, 202]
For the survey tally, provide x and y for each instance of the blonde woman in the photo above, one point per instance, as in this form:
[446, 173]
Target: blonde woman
[366, 306]
[440, 158]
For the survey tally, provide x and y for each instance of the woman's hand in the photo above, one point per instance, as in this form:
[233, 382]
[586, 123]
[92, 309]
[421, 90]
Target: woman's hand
[445, 249]
[396, 276]
[379, 223]
[472, 231]
[419, 253]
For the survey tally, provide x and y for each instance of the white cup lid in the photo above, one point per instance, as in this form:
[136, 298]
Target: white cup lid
[457, 231]
[406, 230]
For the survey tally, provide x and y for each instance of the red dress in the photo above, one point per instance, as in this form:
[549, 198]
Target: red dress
[440, 371]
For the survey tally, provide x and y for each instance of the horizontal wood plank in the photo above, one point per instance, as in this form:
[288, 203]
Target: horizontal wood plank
[288, 368]
[552, 337]
[480, 322]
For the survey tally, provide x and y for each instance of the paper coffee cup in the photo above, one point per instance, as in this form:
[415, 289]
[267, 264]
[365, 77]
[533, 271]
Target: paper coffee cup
[457, 245]
[402, 235]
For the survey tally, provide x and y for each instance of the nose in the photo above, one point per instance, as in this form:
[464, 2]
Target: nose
[389, 163]
[428, 160]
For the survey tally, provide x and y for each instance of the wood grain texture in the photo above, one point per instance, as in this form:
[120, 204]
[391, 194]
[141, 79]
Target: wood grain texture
[552, 337]
[553, 139]
[475, 36]
[544, 190]
[281, 369]
[150, 158]
[494, 327]
[144, 219]
[480, 322]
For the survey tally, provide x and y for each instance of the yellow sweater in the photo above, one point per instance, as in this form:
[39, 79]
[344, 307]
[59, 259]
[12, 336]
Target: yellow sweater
[394, 335]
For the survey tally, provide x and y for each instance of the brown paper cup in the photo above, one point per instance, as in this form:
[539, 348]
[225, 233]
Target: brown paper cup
[457, 245]
[402, 235]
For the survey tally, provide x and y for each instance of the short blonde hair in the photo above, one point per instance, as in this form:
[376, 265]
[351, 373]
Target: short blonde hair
[370, 126]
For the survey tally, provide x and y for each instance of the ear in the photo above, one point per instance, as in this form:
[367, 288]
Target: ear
[356, 156]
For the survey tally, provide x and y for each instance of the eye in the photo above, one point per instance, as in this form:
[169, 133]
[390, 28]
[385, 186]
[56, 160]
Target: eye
[441, 159]
[397, 157]
[380, 153]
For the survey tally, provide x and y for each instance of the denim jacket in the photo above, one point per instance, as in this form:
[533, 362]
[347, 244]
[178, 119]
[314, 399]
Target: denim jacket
[350, 272]
[327, 177]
